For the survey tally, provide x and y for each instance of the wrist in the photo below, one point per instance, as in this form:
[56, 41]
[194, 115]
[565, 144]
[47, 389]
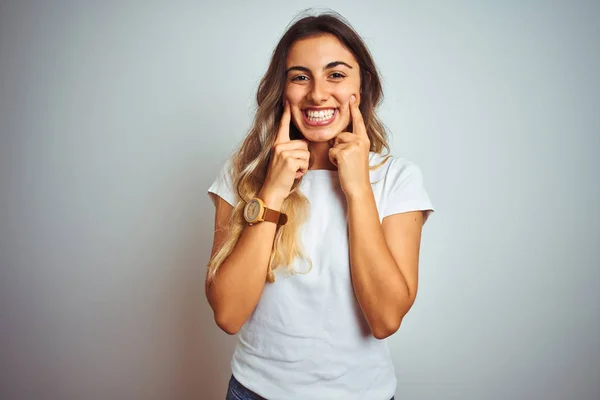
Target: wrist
[271, 200]
[360, 195]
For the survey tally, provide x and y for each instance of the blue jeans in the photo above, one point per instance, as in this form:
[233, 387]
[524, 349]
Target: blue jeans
[237, 391]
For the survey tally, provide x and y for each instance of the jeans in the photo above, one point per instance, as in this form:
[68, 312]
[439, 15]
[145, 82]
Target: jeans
[237, 391]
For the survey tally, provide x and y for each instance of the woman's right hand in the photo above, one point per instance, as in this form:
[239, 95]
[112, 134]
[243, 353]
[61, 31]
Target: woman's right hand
[289, 161]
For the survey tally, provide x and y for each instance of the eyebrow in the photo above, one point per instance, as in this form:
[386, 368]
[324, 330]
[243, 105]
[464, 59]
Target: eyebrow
[332, 64]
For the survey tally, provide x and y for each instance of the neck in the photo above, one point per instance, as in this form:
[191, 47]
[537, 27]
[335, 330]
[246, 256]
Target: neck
[319, 152]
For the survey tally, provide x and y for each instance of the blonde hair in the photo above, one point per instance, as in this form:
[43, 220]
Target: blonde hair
[251, 159]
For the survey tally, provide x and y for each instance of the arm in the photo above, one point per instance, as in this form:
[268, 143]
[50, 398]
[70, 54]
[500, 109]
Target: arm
[384, 256]
[241, 278]
[384, 261]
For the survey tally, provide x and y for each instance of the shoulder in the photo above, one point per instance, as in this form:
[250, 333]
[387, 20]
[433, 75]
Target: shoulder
[386, 167]
[224, 184]
[398, 184]
[227, 171]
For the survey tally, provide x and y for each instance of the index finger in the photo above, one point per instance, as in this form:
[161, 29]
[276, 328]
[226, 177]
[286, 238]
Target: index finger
[358, 124]
[283, 134]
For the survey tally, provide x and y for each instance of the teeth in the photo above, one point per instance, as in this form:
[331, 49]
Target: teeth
[320, 115]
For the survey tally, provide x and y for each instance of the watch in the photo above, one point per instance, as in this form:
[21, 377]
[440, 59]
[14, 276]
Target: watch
[255, 211]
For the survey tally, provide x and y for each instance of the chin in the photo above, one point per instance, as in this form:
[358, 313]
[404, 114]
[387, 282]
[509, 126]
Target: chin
[319, 136]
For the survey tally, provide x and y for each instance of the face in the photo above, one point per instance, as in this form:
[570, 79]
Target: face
[321, 76]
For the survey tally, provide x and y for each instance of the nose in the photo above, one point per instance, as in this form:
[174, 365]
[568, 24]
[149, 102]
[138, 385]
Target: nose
[319, 92]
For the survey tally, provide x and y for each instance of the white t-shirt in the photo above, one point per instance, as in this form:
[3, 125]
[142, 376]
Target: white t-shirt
[307, 337]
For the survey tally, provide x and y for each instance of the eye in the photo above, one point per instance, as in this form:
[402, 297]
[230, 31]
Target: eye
[337, 75]
[299, 78]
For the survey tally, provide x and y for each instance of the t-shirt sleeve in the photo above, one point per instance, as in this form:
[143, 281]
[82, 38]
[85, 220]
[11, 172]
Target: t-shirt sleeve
[405, 190]
[223, 186]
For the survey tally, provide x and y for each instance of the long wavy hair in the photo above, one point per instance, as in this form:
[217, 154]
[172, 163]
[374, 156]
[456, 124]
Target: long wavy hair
[251, 160]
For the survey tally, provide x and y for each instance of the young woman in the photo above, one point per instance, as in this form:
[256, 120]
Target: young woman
[317, 232]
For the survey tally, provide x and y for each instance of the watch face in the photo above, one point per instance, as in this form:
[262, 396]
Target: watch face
[252, 210]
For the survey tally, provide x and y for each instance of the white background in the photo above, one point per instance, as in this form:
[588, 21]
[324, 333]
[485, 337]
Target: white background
[116, 116]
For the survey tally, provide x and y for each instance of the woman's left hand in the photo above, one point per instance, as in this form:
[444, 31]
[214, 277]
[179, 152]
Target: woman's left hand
[350, 153]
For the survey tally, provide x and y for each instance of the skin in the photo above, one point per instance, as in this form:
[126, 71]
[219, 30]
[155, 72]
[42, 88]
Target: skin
[383, 255]
[312, 81]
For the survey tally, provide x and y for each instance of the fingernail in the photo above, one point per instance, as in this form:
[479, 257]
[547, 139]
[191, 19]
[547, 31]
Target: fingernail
[353, 98]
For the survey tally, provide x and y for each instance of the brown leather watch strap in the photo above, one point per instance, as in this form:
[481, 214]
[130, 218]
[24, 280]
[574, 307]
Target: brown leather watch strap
[274, 216]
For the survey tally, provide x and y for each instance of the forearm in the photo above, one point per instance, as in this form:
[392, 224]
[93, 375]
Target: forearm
[241, 278]
[380, 287]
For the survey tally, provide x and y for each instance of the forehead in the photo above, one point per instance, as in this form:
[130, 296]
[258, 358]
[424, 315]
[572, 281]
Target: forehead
[317, 51]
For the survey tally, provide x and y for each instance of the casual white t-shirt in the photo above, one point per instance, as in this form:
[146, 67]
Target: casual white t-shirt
[307, 337]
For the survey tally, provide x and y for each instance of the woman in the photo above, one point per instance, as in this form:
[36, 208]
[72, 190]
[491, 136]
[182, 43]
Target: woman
[317, 233]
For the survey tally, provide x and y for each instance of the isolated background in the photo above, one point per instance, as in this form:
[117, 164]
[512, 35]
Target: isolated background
[116, 116]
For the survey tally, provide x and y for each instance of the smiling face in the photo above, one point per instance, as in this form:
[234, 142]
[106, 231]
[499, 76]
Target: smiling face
[321, 75]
